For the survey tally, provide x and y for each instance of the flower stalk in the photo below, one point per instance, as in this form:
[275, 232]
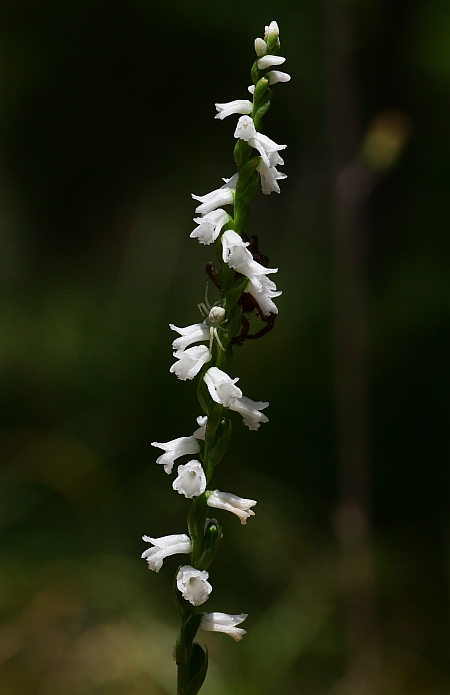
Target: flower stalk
[241, 278]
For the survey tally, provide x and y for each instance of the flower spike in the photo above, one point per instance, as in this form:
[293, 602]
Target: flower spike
[244, 284]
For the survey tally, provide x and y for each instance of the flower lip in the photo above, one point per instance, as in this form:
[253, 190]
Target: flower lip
[163, 547]
[224, 622]
[209, 226]
[189, 334]
[174, 449]
[193, 585]
[191, 479]
[221, 386]
[189, 362]
[236, 106]
[239, 506]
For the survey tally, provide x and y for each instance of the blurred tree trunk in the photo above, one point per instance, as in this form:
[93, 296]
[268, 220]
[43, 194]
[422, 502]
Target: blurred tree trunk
[349, 189]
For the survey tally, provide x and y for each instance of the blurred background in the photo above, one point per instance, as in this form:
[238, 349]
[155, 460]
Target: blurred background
[106, 127]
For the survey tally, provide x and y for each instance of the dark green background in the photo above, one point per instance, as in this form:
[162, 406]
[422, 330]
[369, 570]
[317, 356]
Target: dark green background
[106, 127]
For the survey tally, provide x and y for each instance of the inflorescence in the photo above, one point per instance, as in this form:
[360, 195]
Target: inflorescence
[245, 289]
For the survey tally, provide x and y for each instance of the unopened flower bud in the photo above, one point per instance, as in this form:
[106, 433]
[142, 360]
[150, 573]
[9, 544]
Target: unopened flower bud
[268, 60]
[275, 76]
[260, 47]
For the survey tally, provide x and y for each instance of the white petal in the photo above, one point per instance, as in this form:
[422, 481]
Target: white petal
[245, 128]
[260, 47]
[209, 226]
[191, 480]
[269, 178]
[272, 30]
[224, 622]
[213, 200]
[231, 183]
[237, 106]
[163, 547]
[268, 60]
[221, 386]
[189, 334]
[193, 585]
[275, 76]
[174, 449]
[250, 411]
[251, 88]
[201, 432]
[264, 291]
[239, 506]
[189, 362]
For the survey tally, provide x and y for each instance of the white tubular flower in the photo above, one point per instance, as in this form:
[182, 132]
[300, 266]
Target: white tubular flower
[190, 361]
[237, 256]
[221, 386]
[236, 106]
[209, 226]
[224, 622]
[201, 432]
[264, 290]
[193, 585]
[174, 449]
[268, 61]
[271, 30]
[269, 178]
[250, 411]
[189, 335]
[245, 130]
[213, 200]
[191, 480]
[232, 503]
[275, 76]
[260, 47]
[164, 546]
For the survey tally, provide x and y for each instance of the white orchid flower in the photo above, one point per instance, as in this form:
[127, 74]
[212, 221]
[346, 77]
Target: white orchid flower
[243, 106]
[245, 130]
[232, 503]
[174, 449]
[209, 226]
[224, 622]
[221, 386]
[193, 585]
[250, 411]
[191, 479]
[190, 361]
[189, 335]
[163, 547]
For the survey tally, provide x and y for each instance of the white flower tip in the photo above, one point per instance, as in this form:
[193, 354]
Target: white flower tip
[251, 89]
[271, 30]
[275, 76]
[269, 60]
[260, 47]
